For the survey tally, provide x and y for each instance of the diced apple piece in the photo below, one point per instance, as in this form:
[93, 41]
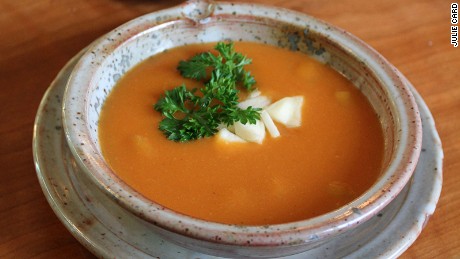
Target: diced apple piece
[281, 187]
[228, 137]
[256, 102]
[287, 111]
[340, 189]
[269, 124]
[251, 132]
[142, 144]
[236, 196]
[343, 97]
[310, 72]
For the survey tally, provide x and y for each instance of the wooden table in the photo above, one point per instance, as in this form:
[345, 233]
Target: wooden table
[37, 37]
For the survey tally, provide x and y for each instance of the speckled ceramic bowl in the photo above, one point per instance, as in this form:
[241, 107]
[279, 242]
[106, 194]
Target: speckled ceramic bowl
[198, 21]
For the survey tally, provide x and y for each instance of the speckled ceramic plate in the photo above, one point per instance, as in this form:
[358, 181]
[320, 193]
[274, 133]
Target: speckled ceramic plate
[108, 233]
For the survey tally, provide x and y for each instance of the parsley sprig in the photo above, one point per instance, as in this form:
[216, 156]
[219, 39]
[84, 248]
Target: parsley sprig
[197, 113]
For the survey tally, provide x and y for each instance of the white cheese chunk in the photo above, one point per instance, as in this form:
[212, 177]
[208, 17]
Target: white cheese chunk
[256, 102]
[250, 132]
[231, 128]
[269, 124]
[287, 111]
[228, 137]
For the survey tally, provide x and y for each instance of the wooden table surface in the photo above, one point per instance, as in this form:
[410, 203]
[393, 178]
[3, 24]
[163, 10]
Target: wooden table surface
[37, 37]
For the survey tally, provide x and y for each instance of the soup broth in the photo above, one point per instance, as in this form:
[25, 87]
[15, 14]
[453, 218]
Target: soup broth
[331, 159]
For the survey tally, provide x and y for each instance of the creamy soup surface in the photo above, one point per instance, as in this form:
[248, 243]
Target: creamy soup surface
[330, 160]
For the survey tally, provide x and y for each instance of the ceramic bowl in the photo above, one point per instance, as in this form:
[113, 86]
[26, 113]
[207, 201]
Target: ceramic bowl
[108, 58]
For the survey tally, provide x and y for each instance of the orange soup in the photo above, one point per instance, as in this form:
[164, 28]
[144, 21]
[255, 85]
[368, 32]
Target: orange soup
[331, 159]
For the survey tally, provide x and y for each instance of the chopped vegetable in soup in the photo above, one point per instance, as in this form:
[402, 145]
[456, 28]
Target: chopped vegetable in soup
[318, 153]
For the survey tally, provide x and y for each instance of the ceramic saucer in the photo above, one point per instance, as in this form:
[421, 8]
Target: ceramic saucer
[110, 234]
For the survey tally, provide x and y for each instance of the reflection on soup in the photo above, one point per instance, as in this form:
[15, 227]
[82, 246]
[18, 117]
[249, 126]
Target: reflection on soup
[331, 159]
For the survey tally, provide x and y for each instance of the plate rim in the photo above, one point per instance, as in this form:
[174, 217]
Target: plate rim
[97, 245]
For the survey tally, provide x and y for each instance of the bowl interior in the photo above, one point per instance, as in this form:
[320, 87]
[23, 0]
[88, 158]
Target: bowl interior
[304, 39]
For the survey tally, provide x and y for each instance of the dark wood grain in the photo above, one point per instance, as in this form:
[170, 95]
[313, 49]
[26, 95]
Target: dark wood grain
[37, 37]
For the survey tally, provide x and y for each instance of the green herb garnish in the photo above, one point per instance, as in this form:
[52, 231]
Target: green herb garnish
[197, 113]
